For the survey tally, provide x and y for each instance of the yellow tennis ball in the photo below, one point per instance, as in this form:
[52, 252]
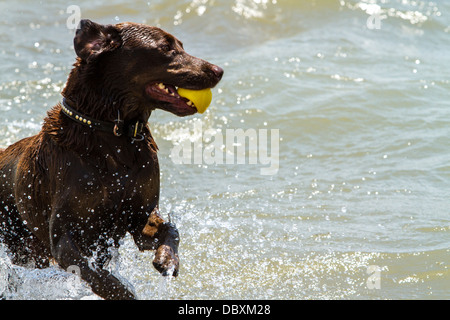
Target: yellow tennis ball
[200, 98]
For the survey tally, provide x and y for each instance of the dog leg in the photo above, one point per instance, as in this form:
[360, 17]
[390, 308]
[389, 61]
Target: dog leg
[103, 283]
[162, 236]
[166, 258]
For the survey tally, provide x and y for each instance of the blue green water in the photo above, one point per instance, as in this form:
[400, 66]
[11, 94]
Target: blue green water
[358, 91]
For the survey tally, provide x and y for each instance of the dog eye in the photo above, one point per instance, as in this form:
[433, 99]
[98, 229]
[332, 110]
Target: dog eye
[166, 48]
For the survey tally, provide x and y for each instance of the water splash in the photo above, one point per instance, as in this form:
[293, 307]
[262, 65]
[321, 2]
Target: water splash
[21, 283]
[165, 284]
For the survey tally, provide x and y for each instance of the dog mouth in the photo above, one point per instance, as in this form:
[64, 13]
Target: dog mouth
[172, 101]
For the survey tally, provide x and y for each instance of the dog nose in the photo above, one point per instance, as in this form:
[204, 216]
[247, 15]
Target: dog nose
[218, 71]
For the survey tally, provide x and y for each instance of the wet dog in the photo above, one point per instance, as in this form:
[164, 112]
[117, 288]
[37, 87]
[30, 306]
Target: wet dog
[91, 174]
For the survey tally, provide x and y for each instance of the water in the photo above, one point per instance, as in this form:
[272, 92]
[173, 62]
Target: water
[359, 93]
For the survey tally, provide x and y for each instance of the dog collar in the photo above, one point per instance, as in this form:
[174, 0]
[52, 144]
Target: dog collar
[118, 128]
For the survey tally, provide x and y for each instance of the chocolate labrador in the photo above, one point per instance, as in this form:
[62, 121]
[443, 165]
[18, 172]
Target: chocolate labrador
[91, 174]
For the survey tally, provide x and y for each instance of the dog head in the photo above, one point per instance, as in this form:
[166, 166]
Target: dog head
[141, 65]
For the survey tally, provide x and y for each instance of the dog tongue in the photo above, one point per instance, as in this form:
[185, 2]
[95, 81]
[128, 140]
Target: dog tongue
[200, 98]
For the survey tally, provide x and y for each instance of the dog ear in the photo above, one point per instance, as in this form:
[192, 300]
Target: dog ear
[91, 39]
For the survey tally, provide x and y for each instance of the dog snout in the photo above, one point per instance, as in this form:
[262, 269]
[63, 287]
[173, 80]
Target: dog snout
[218, 72]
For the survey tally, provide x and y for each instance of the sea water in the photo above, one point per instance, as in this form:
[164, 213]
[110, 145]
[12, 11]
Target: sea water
[358, 207]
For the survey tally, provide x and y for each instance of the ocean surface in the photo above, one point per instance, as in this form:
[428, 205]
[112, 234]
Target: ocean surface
[345, 195]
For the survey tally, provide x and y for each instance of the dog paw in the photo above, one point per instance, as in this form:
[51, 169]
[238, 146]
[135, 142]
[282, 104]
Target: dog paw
[166, 261]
